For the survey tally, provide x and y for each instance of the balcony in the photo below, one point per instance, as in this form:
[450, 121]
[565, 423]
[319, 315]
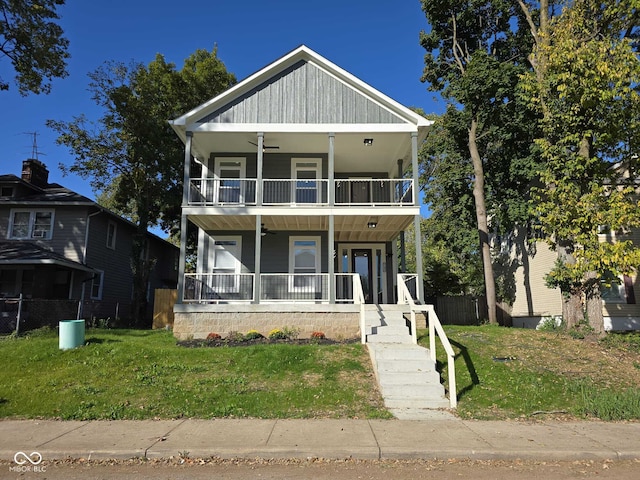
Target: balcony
[290, 192]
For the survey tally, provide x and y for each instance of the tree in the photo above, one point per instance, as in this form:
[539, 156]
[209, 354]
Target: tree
[475, 50]
[131, 154]
[585, 86]
[33, 42]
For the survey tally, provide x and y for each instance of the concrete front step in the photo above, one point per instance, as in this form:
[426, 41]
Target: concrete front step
[404, 352]
[401, 365]
[401, 339]
[408, 380]
[412, 403]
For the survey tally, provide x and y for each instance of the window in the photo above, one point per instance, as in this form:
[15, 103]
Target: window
[31, 224]
[224, 260]
[304, 263]
[111, 235]
[6, 191]
[97, 283]
[617, 289]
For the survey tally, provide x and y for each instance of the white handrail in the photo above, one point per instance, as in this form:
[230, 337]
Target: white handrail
[358, 297]
[404, 297]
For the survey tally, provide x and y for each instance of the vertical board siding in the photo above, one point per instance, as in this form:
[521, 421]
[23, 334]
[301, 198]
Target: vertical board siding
[303, 93]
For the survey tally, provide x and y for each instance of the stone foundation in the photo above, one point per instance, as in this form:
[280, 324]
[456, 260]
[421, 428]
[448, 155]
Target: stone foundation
[196, 321]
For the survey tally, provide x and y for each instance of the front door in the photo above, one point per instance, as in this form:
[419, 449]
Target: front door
[362, 265]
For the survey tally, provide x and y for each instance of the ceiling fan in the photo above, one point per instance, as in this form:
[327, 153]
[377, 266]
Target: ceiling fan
[264, 230]
[265, 147]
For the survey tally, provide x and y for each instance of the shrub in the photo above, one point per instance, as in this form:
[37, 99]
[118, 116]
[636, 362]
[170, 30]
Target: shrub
[252, 334]
[234, 336]
[317, 335]
[277, 334]
[213, 336]
[551, 324]
[291, 332]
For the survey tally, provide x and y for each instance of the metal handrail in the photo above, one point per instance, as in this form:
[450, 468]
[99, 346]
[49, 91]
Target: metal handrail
[404, 297]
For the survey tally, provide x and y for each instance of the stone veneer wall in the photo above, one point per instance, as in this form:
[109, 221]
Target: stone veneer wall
[336, 325]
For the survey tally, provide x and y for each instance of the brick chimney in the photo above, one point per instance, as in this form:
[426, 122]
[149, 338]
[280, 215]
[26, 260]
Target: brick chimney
[35, 172]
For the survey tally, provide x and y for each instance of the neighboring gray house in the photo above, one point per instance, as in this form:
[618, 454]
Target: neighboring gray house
[307, 180]
[60, 249]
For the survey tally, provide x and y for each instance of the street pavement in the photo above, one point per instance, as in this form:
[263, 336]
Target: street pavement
[443, 437]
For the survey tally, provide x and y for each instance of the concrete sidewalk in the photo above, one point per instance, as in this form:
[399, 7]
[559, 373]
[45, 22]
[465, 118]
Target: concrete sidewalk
[441, 438]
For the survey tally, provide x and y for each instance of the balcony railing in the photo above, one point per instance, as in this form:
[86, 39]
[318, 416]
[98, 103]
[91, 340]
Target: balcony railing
[274, 287]
[223, 191]
[348, 192]
[218, 287]
[378, 191]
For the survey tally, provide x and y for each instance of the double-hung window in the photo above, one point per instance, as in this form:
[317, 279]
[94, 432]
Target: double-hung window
[97, 283]
[304, 264]
[111, 235]
[306, 175]
[31, 224]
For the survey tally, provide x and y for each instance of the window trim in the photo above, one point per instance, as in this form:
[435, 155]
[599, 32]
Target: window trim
[112, 245]
[318, 260]
[31, 227]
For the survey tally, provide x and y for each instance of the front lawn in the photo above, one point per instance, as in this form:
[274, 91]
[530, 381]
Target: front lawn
[130, 374]
[514, 373]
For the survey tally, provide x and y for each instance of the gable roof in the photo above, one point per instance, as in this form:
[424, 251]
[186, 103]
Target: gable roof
[299, 74]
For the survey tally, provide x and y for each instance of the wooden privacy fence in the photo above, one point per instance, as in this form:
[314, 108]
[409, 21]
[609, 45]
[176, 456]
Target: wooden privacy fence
[461, 310]
[163, 304]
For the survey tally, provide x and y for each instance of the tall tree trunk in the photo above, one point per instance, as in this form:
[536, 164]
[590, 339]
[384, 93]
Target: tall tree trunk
[572, 311]
[481, 217]
[593, 299]
[141, 265]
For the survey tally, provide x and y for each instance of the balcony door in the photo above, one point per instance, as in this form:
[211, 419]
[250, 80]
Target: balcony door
[228, 173]
[305, 173]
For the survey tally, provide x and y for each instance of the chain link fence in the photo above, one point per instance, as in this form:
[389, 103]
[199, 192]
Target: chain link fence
[22, 314]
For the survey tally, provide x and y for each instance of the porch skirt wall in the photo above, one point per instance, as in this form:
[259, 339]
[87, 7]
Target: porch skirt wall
[335, 325]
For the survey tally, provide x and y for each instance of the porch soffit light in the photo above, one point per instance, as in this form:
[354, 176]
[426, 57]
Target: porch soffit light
[368, 142]
[372, 224]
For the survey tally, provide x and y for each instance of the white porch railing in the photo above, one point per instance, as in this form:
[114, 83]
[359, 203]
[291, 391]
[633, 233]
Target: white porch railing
[294, 287]
[284, 191]
[405, 296]
[218, 287]
[377, 191]
[222, 191]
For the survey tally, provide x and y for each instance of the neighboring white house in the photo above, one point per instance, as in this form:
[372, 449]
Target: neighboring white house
[304, 182]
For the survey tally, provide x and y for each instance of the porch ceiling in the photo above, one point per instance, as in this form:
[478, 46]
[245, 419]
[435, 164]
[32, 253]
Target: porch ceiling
[351, 154]
[348, 228]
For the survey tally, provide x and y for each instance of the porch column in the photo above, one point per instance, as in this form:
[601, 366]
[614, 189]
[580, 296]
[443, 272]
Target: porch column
[331, 234]
[403, 250]
[331, 269]
[416, 219]
[259, 169]
[183, 217]
[331, 167]
[256, 268]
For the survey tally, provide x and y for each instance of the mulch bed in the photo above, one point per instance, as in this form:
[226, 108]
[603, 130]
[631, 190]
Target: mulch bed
[223, 342]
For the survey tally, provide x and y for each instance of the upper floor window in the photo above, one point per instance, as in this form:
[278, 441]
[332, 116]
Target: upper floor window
[111, 235]
[6, 191]
[25, 224]
[97, 283]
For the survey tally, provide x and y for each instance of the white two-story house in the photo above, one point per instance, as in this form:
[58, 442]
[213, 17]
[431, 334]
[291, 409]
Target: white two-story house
[306, 176]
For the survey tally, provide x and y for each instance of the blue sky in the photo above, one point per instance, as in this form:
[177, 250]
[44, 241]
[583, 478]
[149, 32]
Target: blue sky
[376, 40]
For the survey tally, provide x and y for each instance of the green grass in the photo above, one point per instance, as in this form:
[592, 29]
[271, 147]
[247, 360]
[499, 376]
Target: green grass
[511, 373]
[129, 374]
